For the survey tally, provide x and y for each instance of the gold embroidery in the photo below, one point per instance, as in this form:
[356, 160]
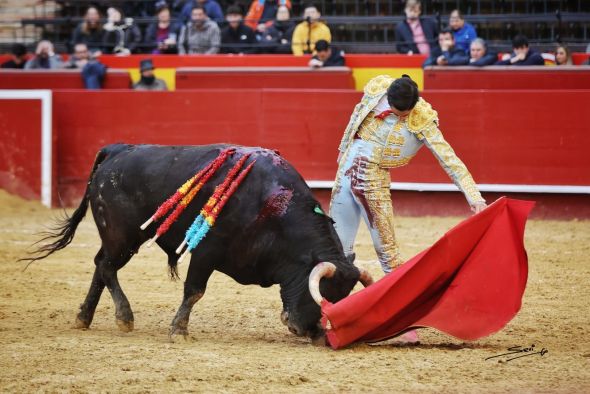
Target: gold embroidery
[388, 162]
[395, 140]
[378, 85]
[396, 152]
[421, 117]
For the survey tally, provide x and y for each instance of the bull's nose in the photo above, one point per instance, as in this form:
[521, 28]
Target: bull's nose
[295, 330]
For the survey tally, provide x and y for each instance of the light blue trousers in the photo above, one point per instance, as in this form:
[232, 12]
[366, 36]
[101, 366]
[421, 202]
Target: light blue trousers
[362, 189]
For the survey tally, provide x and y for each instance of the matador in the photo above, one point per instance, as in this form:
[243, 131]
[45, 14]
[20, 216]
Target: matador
[386, 130]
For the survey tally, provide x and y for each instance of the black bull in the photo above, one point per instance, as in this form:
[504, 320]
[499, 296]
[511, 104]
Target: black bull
[271, 231]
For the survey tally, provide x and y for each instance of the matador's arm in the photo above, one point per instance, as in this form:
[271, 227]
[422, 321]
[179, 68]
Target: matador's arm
[453, 166]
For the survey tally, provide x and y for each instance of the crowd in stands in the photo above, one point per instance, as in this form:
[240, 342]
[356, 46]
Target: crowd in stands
[203, 27]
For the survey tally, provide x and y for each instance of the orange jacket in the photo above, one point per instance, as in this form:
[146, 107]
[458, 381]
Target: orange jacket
[255, 12]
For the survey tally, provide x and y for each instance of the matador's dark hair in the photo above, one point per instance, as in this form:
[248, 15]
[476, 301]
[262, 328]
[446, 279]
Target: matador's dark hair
[402, 94]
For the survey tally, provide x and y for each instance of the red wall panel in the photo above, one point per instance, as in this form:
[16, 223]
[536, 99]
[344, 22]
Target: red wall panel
[507, 77]
[514, 137]
[254, 78]
[20, 147]
[58, 79]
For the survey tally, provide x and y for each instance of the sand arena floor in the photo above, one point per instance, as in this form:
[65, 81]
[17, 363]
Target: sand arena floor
[237, 342]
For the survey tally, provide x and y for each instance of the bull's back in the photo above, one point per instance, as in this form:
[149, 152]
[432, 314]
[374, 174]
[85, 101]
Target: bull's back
[134, 180]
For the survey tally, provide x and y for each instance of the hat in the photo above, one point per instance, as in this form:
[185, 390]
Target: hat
[146, 64]
[160, 5]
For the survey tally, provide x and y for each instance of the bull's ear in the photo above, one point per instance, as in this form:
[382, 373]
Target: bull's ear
[351, 258]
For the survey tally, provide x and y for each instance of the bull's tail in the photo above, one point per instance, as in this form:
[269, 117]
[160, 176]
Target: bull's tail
[62, 234]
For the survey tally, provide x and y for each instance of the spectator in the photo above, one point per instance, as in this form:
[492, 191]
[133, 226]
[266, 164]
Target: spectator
[522, 54]
[200, 35]
[45, 57]
[310, 31]
[211, 7]
[148, 80]
[276, 38]
[90, 32]
[326, 56]
[563, 56]
[446, 53]
[161, 36]
[480, 55]
[122, 36]
[236, 37]
[263, 11]
[464, 32]
[415, 34]
[18, 57]
[92, 71]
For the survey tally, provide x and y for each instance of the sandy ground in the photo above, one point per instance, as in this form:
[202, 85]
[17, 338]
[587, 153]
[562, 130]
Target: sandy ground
[237, 342]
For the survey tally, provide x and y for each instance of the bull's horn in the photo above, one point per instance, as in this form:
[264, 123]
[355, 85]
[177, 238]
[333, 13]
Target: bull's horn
[366, 279]
[321, 270]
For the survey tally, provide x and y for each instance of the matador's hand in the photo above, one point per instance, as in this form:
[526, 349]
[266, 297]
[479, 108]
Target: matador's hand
[478, 207]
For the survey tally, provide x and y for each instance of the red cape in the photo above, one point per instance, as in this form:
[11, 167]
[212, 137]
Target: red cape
[469, 284]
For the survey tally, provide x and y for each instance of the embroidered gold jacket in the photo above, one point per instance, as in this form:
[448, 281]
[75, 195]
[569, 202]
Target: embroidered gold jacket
[398, 141]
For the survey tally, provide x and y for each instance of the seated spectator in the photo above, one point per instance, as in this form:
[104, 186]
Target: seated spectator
[522, 55]
[263, 11]
[18, 57]
[161, 36]
[276, 38]
[211, 7]
[236, 37]
[122, 36]
[446, 53]
[464, 32]
[310, 31]
[89, 32]
[45, 57]
[92, 71]
[563, 56]
[415, 34]
[480, 55]
[326, 56]
[200, 35]
[148, 80]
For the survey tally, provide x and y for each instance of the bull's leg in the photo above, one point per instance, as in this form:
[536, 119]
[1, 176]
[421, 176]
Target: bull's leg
[123, 312]
[194, 288]
[87, 308]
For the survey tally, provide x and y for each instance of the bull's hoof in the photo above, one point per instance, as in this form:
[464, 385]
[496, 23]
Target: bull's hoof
[81, 324]
[177, 331]
[125, 326]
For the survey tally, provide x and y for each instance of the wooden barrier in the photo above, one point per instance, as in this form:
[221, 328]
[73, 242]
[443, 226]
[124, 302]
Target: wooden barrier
[507, 77]
[504, 137]
[58, 79]
[264, 77]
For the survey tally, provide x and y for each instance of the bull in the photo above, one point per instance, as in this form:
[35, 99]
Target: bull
[271, 231]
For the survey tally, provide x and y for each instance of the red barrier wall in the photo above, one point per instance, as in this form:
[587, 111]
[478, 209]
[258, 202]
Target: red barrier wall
[58, 79]
[507, 77]
[20, 147]
[265, 77]
[513, 137]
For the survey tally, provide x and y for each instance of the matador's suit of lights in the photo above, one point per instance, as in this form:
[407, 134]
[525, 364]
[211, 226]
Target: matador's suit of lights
[374, 142]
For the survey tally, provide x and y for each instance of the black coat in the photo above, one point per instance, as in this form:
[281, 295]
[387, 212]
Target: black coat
[455, 57]
[240, 40]
[405, 38]
[151, 34]
[93, 38]
[532, 59]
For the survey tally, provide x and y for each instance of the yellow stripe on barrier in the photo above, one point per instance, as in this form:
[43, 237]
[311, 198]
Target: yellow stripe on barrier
[167, 74]
[363, 75]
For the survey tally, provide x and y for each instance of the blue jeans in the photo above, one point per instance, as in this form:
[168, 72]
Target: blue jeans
[93, 75]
